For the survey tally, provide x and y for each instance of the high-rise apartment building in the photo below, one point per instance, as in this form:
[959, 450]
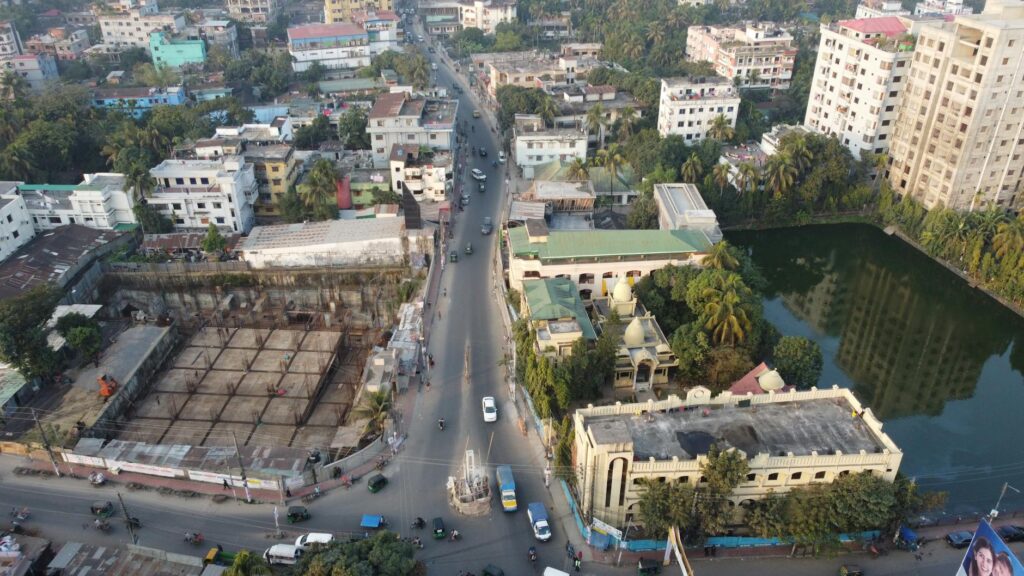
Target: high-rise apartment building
[860, 72]
[958, 139]
[690, 105]
[342, 10]
[759, 55]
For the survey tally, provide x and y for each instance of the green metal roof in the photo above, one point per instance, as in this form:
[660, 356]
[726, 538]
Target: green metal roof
[597, 244]
[347, 84]
[11, 382]
[556, 299]
[125, 226]
[45, 187]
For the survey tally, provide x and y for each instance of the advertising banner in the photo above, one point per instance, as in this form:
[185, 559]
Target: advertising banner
[988, 555]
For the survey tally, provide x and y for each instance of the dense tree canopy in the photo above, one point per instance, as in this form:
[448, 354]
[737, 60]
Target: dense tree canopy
[798, 361]
[382, 554]
[23, 336]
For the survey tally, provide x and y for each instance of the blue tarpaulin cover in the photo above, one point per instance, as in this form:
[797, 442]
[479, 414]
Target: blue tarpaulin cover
[908, 535]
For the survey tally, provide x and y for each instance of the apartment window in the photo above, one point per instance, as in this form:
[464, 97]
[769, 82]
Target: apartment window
[179, 181]
[751, 477]
[192, 181]
[201, 205]
[204, 180]
[276, 181]
[773, 476]
[179, 220]
[889, 108]
[16, 233]
[219, 219]
[176, 206]
[378, 137]
[988, 42]
[275, 168]
[216, 205]
[9, 218]
[819, 475]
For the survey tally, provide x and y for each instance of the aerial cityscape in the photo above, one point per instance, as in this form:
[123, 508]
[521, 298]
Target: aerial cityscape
[512, 287]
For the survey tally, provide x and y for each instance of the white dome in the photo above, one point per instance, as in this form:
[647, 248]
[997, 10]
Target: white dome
[622, 292]
[633, 337]
[770, 380]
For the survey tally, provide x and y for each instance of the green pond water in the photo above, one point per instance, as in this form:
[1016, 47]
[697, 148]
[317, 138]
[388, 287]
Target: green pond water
[940, 363]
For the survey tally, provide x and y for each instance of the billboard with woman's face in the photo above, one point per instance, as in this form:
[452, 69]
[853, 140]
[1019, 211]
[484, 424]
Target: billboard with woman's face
[988, 555]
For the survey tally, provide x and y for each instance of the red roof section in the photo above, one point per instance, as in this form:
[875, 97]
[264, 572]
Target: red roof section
[312, 31]
[344, 193]
[887, 25]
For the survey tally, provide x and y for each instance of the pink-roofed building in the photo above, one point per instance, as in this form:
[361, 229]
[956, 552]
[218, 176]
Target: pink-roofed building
[859, 75]
[334, 46]
[39, 70]
[760, 380]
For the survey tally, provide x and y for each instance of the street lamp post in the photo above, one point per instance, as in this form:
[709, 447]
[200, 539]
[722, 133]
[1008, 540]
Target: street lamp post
[995, 511]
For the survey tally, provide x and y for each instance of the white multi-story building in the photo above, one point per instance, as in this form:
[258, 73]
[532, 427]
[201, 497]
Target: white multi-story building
[859, 75]
[253, 11]
[131, 29]
[445, 17]
[10, 41]
[689, 106]
[381, 27]
[103, 201]
[39, 70]
[959, 132]
[880, 8]
[335, 46]
[944, 7]
[534, 143]
[15, 224]
[759, 55]
[400, 118]
[428, 175]
[197, 193]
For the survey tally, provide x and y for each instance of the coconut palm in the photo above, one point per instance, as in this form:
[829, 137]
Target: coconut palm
[248, 564]
[721, 258]
[726, 317]
[986, 223]
[747, 177]
[721, 129]
[798, 151]
[577, 170]
[656, 33]
[692, 169]
[18, 162]
[596, 122]
[1009, 240]
[376, 406]
[13, 86]
[548, 110]
[321, 185]
[140, 180]
[780, 174]
[627, 120]
[720, 175]
[612, 160]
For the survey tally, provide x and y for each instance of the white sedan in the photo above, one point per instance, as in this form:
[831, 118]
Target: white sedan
[490, 409]
[478, 175]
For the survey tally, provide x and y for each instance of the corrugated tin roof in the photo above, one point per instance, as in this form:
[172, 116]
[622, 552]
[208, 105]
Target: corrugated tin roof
[568, 244]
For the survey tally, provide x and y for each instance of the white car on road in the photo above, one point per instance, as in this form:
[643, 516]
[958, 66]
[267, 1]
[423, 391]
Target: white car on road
[490, 409]
[479, 175]
[501, 156]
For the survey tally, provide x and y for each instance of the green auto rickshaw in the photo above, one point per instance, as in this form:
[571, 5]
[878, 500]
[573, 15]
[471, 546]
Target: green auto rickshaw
[648, 566]
[102, 509]
[439, 532]
[297, 514]
[376, 483]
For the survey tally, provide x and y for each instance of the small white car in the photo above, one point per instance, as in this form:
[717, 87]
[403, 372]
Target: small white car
[479, 175]
[490, 409]
[501, 156]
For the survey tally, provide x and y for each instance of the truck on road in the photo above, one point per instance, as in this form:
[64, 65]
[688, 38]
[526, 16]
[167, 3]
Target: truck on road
[507, 488]
[539, 521]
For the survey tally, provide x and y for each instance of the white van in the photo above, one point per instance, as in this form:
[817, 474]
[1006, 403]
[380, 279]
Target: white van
[307, 541]
[553, 572]
[282, 554]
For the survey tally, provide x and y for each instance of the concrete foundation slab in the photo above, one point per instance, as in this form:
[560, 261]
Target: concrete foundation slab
[285, 411]
[176, 380]
[204, 407]
[249, 338]
[328, 415]
[148, 430]
[196, 357]
[273, 360]
[259, 384]
[212, 336]
[313, 436]
[221, 382]
[311, 362]
[299, 385]
[285, 340]
[234, 359]
[160, 405]
[245, 409]
[269, 435]
[220, 434]
[321, 341]
[185, 432]
[339, 394]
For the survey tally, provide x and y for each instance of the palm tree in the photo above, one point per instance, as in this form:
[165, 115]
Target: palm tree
[780, 174]
[248, 564]
[13, 86]
[726, 315]
[656, 33]
[721, 129]
[1009, 240]
[321, 184]
[692, 168]
[548, 110]
[721, 258]
[720, 174]
[986, 223]
[596, 122]
[577, 171]
[611, 159]
[747, 178]
[627, 120]
[18, 162]
[798, 151]
[376, 406]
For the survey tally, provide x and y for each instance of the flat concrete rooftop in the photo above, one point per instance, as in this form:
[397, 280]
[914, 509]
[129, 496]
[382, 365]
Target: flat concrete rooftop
[801, 427]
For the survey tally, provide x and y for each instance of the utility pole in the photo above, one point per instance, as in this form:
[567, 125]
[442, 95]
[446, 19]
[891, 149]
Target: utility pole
[245, 483]
[46, 443]
[995, 511]
[128, 519]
